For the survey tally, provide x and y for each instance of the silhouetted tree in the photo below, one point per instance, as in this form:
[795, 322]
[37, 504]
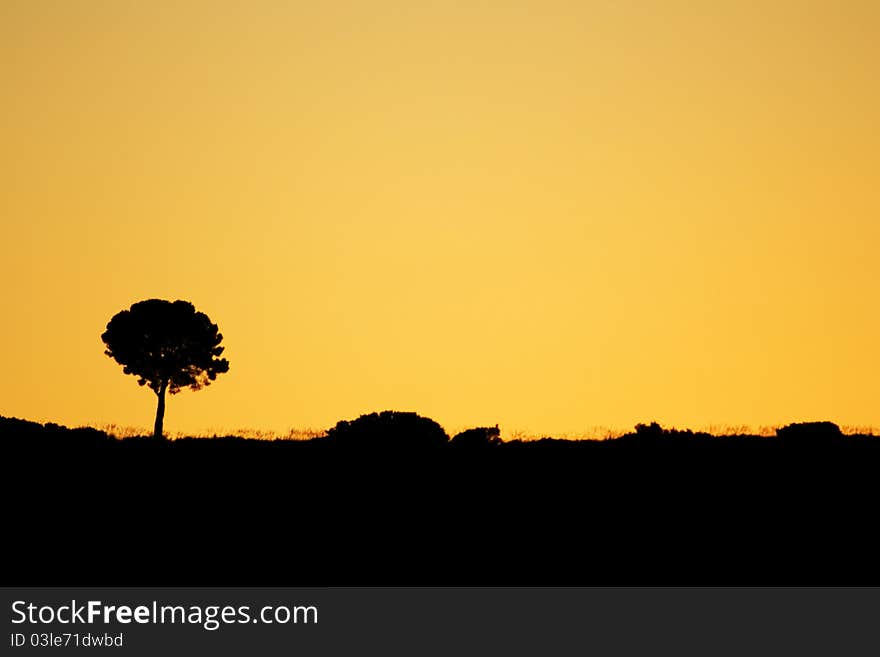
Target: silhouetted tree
[168, 346]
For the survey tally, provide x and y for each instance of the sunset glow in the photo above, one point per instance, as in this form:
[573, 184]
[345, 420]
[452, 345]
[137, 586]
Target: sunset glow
[548, 215]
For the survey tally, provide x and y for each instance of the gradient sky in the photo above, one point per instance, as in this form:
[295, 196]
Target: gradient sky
[548, 214]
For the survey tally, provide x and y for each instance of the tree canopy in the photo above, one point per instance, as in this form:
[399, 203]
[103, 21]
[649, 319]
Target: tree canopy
[167, 345]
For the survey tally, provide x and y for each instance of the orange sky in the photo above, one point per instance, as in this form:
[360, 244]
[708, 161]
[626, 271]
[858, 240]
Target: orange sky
[547, 214]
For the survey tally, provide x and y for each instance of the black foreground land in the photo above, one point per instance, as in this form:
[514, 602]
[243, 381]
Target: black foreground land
[653, 507]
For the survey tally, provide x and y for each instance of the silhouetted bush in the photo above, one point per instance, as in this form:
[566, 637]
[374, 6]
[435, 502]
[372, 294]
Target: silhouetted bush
[389, 430]
[649, 431]
[810, 433]
[477, 437]
[13, 426]
[50, 436]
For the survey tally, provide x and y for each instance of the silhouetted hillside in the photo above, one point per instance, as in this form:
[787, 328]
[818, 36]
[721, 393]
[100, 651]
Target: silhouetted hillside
[653, 507]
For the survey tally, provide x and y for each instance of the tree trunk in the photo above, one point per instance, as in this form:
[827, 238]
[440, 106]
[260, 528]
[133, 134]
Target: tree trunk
[160, 412]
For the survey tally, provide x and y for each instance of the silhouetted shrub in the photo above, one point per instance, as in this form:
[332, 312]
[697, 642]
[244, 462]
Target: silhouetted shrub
[89, 435]
[650, 431]
[477, 437]
[654, 436]
[13, 426]
[389, 430]
[810, 433]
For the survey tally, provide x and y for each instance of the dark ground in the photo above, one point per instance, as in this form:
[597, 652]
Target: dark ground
[652, 508]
